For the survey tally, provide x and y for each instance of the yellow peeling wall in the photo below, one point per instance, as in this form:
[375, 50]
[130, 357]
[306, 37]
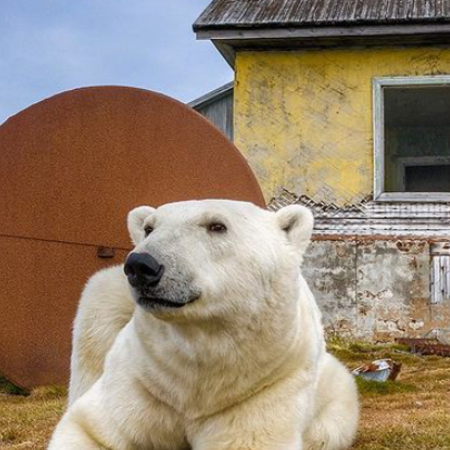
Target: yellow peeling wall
[304, 119]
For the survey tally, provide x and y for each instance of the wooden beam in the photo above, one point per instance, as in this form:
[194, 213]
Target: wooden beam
[240, 34]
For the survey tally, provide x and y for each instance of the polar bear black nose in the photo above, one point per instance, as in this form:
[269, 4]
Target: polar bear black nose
[142, 270]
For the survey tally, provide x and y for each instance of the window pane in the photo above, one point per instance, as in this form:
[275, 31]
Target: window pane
[417, 139]
[427, 178]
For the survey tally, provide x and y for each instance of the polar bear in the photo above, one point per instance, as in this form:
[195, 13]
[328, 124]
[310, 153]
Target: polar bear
[207, 339]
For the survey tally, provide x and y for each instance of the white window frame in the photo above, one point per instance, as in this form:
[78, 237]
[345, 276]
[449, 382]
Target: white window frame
[440, 272]
[409, 161]
[379, 149]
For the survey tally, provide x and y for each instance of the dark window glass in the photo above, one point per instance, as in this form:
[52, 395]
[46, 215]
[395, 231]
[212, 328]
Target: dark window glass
[427, 178]
[417, 139]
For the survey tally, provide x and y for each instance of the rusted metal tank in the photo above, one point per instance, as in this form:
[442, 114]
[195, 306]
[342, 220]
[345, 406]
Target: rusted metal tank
[71, 167]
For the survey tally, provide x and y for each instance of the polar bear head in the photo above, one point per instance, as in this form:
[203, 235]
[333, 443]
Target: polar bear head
[215, 259]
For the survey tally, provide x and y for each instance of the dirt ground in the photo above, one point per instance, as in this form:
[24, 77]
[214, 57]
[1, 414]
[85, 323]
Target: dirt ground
[411, 413]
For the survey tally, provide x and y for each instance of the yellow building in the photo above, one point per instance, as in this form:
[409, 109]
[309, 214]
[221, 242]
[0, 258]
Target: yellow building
[344, 105]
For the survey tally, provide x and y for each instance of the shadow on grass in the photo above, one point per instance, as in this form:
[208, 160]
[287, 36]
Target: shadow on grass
[6, 387]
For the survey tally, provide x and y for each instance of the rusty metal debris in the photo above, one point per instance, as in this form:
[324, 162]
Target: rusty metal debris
[379, 370]
[426, 346]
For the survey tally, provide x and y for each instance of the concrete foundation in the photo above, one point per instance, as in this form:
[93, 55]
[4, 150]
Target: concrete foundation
[375, 289]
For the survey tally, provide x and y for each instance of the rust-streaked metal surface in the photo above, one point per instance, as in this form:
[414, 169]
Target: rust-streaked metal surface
[71, 167]
[298, 13]
[427, 346]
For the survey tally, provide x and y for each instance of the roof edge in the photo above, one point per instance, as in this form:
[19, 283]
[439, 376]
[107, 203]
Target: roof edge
[259, 33]
[200, 26]
[213, 95]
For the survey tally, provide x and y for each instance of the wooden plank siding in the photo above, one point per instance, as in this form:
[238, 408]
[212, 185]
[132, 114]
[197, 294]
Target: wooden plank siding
[217, 107]
[369, 218]
[440, 279]
[220, 113]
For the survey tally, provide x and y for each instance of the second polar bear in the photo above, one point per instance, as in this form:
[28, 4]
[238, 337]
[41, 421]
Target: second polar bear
[225, 347]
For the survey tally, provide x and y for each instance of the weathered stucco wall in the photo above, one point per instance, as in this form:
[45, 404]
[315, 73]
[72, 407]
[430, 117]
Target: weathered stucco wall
[304, 119]
[374, 289]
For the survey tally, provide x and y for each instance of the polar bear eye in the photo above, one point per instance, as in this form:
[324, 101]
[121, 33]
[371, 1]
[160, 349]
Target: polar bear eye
[217, 227]
[148, 230]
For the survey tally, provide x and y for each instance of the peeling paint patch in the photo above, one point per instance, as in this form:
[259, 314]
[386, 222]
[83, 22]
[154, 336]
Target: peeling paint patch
[383, 295]
[416, 324]
[372, 289]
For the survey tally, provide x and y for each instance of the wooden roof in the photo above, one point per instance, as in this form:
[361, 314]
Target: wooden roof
[306, 13]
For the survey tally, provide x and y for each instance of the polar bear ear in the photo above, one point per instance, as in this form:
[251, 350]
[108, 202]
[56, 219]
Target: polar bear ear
[135, 222]
[297, 222]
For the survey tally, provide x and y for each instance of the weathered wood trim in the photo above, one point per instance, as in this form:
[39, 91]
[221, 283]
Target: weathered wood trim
[318, 237]
[414, 81]
[378, 137]
[256, 33]
[227, 51]
[415, 197]
[368, 218]
[440, 273]
[379, 84]
[435, 282]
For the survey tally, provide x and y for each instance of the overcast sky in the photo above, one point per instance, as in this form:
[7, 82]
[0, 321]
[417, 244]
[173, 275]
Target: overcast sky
[49, 46]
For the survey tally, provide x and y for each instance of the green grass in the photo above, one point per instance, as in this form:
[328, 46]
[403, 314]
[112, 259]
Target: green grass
[370, 387]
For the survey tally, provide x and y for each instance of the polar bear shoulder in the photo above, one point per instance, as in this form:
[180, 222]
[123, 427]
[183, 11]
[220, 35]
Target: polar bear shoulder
[105, 308]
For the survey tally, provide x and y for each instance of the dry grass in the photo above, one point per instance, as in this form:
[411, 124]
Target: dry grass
[26, 422]
[412, 413]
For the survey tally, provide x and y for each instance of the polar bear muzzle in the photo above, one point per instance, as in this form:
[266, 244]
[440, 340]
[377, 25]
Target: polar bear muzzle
[144, 274]
[143, 271]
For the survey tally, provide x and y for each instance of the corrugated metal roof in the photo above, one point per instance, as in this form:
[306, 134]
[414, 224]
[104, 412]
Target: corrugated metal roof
[307, 13]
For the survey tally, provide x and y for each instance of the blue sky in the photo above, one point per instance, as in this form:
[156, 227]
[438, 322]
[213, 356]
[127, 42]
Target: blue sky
[49, 46]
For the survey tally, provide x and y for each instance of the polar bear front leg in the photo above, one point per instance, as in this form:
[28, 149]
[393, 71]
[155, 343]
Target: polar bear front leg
[273, 419]
[250, 441]
[83, 426]
[335, 421]
[72, 436]
[225, 433]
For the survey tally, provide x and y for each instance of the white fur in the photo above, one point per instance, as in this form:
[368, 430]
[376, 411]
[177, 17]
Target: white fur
[243, 367]
[135, 221]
